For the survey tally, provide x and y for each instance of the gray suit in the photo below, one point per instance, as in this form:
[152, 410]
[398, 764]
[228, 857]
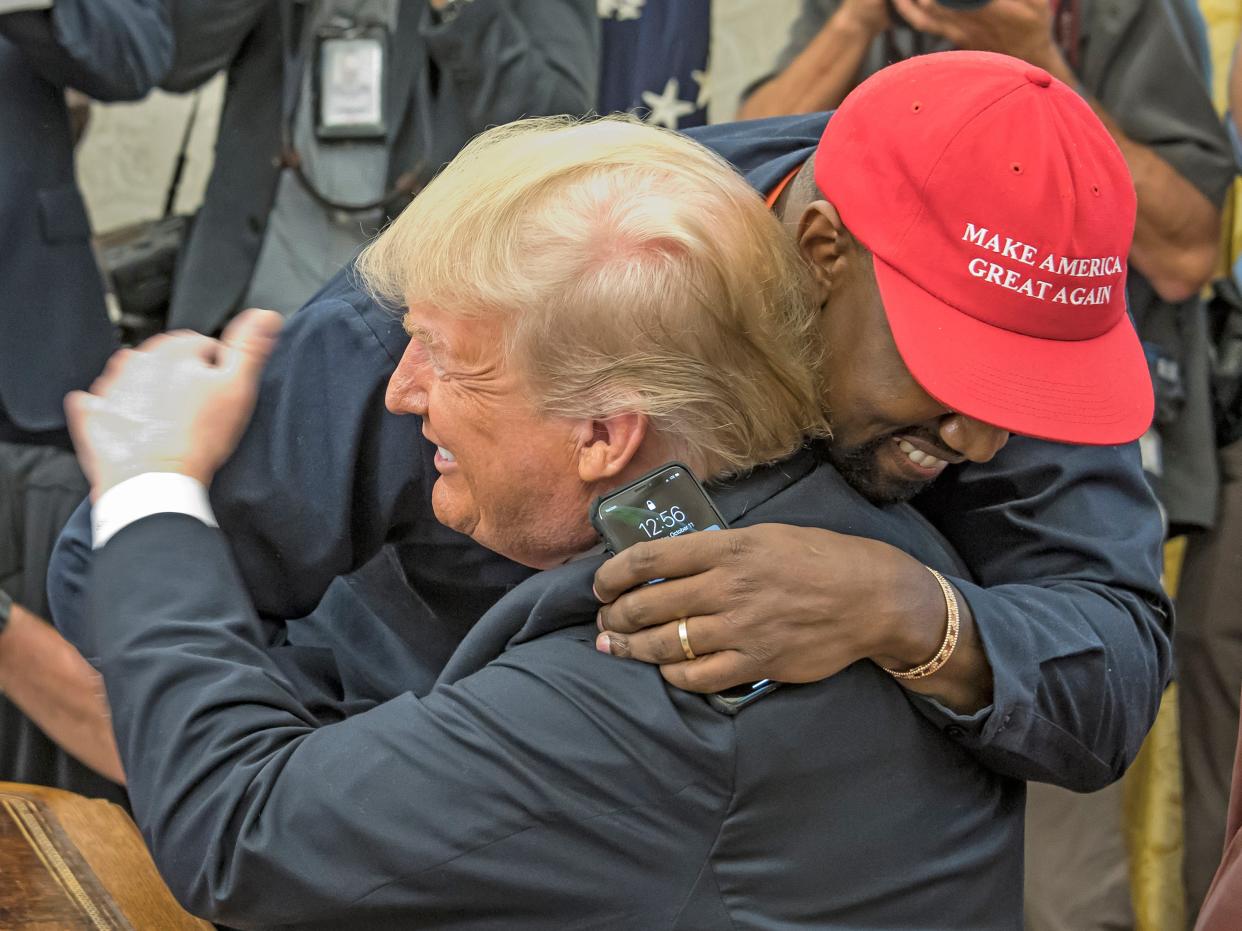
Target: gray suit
[539, 784]
[497, 61]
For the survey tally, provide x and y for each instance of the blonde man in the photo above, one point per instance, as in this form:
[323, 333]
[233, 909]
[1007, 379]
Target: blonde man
[585, 302]
[623, 270]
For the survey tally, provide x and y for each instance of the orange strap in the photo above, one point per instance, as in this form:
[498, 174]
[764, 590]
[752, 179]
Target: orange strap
[776, 192]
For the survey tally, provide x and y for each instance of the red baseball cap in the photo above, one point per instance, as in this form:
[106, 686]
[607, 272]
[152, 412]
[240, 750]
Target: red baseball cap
[999, 214]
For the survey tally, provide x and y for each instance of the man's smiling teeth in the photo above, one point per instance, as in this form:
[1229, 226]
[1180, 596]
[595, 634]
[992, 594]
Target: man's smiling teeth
[445, 454]
[918, 457]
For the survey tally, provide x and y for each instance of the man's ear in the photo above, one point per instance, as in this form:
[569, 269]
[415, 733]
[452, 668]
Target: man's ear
[611, 446]
[824, 243]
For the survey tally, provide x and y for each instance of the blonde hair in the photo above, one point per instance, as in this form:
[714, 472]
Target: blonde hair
[637, 272]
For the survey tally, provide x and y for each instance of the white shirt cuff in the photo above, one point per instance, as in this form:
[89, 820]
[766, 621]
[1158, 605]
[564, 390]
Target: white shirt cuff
[14, 6]
[145, 495]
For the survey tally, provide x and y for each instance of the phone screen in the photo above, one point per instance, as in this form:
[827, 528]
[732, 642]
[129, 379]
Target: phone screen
[666, 503]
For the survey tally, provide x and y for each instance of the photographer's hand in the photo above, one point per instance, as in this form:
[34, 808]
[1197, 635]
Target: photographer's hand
[1177, 233]
[871, 16]
[1021, 28]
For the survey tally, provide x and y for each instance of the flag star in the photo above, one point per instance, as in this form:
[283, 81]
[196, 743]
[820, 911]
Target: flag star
[702, 78]
[620, 9]
[666, 108]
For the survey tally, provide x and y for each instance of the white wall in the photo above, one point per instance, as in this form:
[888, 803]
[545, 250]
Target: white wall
[747, 35]
[126, 159]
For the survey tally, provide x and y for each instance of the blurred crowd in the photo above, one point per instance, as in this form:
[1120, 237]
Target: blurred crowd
[336, 114]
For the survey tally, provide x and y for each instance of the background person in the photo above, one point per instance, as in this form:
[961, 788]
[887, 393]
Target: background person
[54, 337]
[1209, 660]
[1221, 907]
[293, 193]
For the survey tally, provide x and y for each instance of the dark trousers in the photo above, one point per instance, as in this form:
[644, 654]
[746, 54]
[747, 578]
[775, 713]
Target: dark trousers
[12, 433]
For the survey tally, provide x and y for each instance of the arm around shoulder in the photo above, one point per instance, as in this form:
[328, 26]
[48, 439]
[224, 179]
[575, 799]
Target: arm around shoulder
[303, 504]
[1065, 544]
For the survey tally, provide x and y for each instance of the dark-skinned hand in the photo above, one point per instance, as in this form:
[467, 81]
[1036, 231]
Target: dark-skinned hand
[771, 601]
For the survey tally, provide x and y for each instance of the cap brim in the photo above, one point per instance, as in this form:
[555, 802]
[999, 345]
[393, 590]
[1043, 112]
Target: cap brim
[1096, 391]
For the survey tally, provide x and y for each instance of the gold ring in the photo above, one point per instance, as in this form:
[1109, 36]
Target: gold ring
[685, 639]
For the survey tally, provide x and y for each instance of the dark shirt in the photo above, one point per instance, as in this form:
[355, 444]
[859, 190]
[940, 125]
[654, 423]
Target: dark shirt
[541, 784]
[1063, 543]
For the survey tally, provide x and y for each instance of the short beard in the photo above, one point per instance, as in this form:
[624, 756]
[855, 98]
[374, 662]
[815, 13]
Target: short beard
[859, 467]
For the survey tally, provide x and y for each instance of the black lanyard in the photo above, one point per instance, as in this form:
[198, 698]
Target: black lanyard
[296, 17]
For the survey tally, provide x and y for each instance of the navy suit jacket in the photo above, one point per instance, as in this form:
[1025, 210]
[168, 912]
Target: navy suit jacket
[541, 784]
[56, 334]
[1063, 543]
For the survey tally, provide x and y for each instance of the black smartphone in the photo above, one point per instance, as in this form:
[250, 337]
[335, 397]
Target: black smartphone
[667, 502]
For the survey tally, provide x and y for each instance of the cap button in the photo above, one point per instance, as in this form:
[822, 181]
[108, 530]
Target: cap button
[1039, 77]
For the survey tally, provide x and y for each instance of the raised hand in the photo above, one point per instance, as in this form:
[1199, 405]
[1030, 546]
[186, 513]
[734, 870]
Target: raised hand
[178, 403]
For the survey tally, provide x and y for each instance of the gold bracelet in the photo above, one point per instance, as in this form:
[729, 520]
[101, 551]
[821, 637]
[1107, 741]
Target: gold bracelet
[950, 636]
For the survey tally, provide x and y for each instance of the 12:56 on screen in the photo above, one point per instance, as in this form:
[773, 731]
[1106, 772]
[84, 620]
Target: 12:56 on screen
[667, 502]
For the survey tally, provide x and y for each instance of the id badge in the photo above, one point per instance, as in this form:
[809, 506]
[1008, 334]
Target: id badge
[350, 83]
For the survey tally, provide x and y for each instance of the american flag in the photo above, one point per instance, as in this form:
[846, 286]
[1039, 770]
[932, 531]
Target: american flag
[656, 60]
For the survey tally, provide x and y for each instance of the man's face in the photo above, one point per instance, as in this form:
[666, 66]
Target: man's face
[508, 474]
[890, 438]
